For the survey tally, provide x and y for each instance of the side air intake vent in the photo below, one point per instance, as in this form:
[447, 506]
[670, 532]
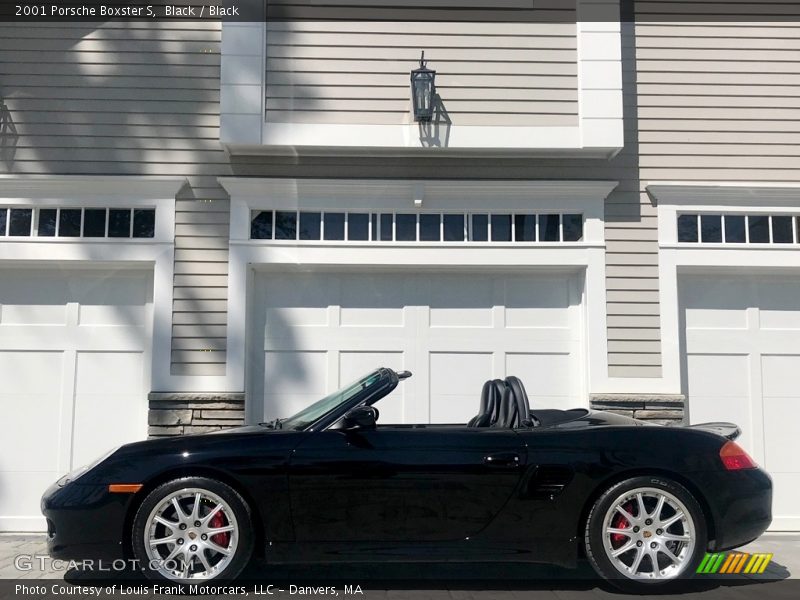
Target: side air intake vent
[549, 481]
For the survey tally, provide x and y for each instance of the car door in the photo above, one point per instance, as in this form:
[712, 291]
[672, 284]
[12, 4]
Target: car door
[402, 483]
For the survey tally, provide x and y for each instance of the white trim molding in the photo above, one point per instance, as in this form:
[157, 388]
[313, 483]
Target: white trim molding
[588, 256]
[678, 258]
[599, 130]
[157, 252]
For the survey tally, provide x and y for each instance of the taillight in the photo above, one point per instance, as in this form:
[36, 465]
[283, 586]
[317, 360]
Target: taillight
[734, 458]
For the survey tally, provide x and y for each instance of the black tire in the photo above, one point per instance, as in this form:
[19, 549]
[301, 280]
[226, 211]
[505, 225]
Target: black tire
[598, 555]
[240, 556]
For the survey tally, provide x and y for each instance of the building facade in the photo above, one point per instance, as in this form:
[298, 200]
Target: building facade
[204, 224]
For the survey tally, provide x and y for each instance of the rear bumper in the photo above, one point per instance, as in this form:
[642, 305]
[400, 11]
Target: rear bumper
[85, 522]
[741, 506]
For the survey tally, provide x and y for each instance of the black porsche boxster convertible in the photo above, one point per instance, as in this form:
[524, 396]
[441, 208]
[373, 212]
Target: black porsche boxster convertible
[642, 502]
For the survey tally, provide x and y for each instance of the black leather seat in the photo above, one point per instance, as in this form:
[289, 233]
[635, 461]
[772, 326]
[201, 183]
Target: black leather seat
[491, 396]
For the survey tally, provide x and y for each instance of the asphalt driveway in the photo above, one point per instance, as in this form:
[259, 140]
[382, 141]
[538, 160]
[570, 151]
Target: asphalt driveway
[23, 559]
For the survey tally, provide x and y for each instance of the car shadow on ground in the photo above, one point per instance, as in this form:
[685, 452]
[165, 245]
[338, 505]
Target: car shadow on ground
[476, 577]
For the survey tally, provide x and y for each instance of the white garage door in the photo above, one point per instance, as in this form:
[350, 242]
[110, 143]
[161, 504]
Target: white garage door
[315, 332]
[743, 366]
[73, 367]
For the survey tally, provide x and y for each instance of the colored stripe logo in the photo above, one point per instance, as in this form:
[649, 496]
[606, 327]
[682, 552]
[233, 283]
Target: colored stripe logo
[730, 563]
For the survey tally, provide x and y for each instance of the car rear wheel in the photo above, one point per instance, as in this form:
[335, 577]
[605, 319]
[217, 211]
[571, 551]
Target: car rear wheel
[645, 532]
[193, 530]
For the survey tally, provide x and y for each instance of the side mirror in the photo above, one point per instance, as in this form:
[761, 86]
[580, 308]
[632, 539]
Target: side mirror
[360, 418]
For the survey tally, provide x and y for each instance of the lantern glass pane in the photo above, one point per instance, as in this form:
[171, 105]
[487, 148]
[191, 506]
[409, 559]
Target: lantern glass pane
[422, 92]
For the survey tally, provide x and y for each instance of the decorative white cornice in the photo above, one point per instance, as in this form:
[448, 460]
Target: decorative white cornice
[724, 193]
[371, 193]
[64, 187]
[598, 130]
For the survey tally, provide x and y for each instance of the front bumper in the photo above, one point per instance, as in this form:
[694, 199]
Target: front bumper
[741, 505]
[85, 522]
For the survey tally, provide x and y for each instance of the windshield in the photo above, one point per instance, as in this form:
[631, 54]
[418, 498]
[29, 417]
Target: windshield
[322, 407]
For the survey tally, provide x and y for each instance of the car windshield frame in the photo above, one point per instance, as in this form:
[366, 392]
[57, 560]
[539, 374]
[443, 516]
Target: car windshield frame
[333, 402]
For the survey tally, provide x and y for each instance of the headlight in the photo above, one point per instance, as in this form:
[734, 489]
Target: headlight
[80, 471]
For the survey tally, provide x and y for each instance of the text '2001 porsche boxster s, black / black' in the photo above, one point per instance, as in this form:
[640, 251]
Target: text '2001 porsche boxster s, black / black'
[642, 502]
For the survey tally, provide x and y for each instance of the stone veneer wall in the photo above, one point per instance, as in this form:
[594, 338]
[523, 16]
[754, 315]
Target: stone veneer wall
[181, 413]
[665, 410]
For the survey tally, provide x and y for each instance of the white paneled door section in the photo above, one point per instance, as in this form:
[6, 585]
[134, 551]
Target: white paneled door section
[743, 366]
[73, 366]
[454, 330]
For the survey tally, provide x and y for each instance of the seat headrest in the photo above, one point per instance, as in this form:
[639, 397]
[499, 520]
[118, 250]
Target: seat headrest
[520, 397]
[508, 417]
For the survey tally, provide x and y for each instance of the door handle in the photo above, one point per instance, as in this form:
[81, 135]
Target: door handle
[503, 460]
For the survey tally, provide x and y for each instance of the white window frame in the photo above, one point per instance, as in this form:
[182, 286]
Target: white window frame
[466, 215]
[598, 132]
[157, 252]
[588, 255]
[676, 258]
[38, 207]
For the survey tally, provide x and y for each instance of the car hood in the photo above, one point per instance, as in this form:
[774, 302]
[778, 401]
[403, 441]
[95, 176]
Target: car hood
[140, 461]
[223, 441]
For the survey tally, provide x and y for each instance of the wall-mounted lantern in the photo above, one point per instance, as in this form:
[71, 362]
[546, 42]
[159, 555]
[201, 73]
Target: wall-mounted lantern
[423, 90]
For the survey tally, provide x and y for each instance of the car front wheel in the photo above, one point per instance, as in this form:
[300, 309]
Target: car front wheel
[193, 530]
[645, 532]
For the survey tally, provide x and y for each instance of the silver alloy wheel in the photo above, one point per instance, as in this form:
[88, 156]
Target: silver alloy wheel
[191, 534]
[649, 535]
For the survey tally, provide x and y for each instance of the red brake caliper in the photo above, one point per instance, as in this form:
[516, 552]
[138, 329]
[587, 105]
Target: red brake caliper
[221, 539]
[621, 522]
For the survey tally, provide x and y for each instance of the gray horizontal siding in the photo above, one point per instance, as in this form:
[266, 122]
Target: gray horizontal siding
[719, 102]
[476, 11]
[356, 72]
[134, 99]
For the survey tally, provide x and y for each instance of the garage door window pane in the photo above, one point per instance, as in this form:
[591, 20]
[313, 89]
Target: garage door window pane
[454, 228]
[406, 226]
[285, 225]
[758, 226]
[334, 227]
[782, 230]
[358, 227]
[711, 228]
[119, 223]
[69, 223]
[386, 228]
[548, 228]
[501, 228]
[572, 226]
[525, 228]
[3, 220]
[47, 222]
[94, 222]
[734, 229]
[310, 225]
[480, 228]
[687, 228]
[20, 221]
[144, 223]
[261, 226]
[430, 228]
